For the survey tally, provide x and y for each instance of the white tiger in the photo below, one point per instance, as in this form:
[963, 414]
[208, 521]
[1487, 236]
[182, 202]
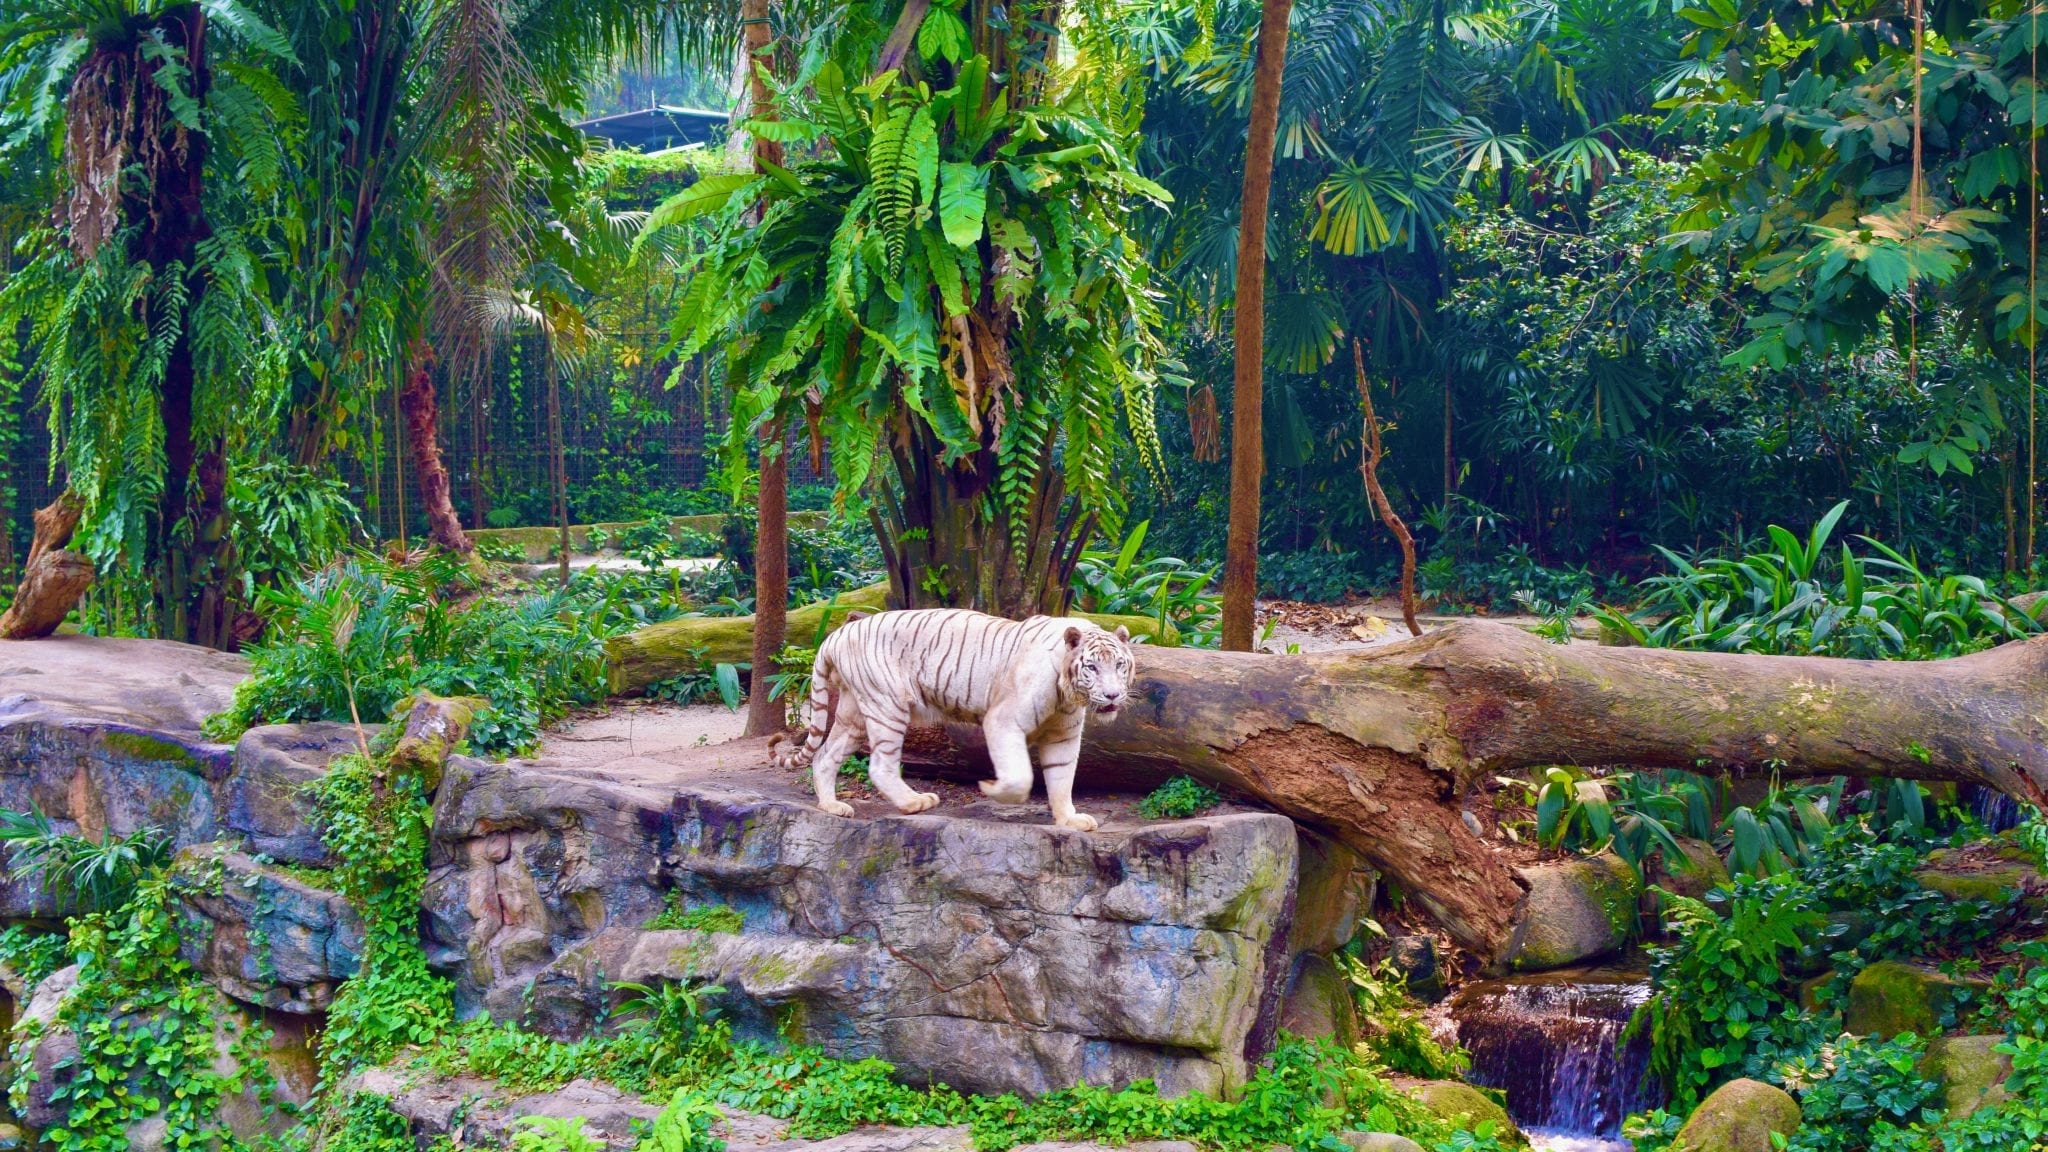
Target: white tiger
[1029, 684]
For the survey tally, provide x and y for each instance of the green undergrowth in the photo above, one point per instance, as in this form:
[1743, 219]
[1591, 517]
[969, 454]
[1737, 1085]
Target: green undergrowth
[1178, 799]
[1727, 998]
[1303, 1094]
[703, 918]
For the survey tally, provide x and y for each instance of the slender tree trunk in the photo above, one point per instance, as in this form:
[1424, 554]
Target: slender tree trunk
[1369, 464]
[1247, 447]
[557, 457]
[771, 524]
[421, 406]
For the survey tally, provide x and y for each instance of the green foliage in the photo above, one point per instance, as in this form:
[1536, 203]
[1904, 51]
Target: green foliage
[147, 1028]
[379, 632]
[553, 1134]
[1394, 1029]
[1178, 799]
[1798, 599]
[702, 684]
[1853, 1093]
[684, 1125]
[376, 824]
[704, 917]
[953, 218]
[83, 875]
[1718, 994]
[287, 520]
[32, 955]
[365, 1122]
[1165, 588]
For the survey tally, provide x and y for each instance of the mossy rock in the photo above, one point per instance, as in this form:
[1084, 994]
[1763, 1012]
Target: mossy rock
[1739, 1116]
[2010, 872]
[1890, 998]
[539, 543]
[1577, 910]
[659, 651]
[1971, 1074]
[1694, 870]
[1460, 1104]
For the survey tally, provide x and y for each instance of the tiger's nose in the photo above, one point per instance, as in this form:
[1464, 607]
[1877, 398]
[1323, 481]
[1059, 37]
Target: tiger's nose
[1113, 697]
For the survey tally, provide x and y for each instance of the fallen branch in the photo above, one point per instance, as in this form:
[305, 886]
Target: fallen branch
[1370, 465]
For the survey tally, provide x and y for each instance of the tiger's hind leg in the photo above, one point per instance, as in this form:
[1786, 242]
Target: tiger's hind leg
[847, 732]
[885, 762]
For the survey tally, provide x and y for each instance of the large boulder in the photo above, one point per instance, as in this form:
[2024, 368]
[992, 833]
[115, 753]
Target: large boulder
[1577, 910]
[1972, 1074]
[975, 946]
[1890, 997]
[264, 934]
[1739, 1116]
[265, 802]
[1460, 1104]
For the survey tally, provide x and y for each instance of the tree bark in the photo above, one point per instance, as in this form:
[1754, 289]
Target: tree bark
[771, 500]
[53, 579]
[1370, 466]
[1382, 747]
[422, 409]
[1248, 331]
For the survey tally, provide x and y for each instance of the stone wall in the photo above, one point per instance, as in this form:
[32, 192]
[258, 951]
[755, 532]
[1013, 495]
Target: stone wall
[974, 945]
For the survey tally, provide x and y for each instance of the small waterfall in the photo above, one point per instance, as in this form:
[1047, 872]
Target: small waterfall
[1994, 809]
[1550, 1043]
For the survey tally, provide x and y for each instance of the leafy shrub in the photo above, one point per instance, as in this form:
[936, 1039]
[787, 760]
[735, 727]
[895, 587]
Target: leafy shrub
[1178, 799]
[1164, 588]
[684, 1125]
[1799, 599]
[1393, 1028]
[367, 1123]
[33, 955]
[286, 519]
[363, 634]
[1315, 577]
[499, 551]
[553, 1134]
[1718, 994]
[1853, 1093]
[81, 874]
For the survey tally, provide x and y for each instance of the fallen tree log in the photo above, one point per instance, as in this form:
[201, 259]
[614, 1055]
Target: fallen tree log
[693, 643]
[1382, 747]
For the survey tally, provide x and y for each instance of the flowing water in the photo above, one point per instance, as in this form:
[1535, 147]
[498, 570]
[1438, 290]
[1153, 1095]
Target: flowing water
[1994, 809]
[1552, 1043]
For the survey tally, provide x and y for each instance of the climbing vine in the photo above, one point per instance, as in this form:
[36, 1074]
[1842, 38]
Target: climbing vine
[376, 823]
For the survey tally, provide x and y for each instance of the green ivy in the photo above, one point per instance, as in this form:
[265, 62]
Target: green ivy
[704, 918]
[376, 824]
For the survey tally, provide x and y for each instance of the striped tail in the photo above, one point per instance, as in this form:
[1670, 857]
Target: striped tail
[786, 752]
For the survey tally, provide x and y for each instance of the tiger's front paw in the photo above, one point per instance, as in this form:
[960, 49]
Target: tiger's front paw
[919, 802]
[994, 790]
[1078, 821]
[836, 807]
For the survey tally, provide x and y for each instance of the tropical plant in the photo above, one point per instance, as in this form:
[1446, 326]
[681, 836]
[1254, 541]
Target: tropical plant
[1798, 598]
[82, 874]
[946, 280]
[1166, 588]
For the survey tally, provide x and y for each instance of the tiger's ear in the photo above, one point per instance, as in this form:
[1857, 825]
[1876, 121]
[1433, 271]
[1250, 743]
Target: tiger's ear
[1123, 633]
[1073, 637]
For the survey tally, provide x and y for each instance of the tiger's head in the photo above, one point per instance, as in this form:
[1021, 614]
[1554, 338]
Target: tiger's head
[1100, 664]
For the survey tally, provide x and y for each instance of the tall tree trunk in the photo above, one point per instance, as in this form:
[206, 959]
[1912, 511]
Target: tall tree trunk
[190, 542]
[771, 524]
[1248, 329]
[421, 406]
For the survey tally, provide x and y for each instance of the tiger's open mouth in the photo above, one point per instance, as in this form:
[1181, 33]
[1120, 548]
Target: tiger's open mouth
[1106, 709]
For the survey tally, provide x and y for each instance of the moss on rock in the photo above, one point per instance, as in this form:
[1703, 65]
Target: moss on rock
[674, 647]
[1459, 1103]
[1739, 1116]
[1971, 1074]
[1889, 998]
[1577, 910]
